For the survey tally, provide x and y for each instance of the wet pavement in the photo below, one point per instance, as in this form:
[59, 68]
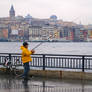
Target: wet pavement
[36, 84]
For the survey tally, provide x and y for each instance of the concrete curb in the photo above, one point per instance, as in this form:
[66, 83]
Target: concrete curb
[62, 74]
[58, 74]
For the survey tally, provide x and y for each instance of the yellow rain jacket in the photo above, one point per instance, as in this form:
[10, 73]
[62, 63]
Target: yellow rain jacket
[26, 55]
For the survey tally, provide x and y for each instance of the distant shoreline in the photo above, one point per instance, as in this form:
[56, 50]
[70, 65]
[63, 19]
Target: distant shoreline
[51, 41]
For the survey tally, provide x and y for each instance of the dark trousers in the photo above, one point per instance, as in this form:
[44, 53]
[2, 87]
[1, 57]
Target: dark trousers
[26, 70]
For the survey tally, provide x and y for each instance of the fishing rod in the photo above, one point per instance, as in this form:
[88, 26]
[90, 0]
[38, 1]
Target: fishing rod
[40, 44]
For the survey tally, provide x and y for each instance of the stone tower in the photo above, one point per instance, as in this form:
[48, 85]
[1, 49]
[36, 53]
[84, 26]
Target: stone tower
[12, 12]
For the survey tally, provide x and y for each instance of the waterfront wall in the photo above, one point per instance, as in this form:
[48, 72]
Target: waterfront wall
[57, 74]
[62, 74]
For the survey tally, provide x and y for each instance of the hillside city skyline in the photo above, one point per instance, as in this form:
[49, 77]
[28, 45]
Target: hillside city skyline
[19, 28]
[72, 10]
[28, 14]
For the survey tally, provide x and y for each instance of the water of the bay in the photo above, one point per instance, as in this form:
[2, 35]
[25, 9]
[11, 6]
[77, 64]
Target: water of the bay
[77, 48]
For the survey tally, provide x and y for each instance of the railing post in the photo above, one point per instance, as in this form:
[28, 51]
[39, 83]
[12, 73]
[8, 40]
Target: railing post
[83, 63]
[10, 57]
[43, 62]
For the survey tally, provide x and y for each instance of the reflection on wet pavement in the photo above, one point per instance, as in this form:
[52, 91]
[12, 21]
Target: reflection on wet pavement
[12, 84]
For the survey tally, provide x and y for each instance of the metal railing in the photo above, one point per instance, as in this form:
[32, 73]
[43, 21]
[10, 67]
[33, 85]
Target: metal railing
[47, 61]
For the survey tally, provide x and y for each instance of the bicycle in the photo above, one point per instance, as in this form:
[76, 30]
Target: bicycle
[11, 68]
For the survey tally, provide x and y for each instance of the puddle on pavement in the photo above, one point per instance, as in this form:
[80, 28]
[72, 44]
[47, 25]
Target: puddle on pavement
[37, 84]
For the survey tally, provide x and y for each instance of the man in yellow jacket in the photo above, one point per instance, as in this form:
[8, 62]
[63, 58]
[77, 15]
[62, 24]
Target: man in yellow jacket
[26, 58]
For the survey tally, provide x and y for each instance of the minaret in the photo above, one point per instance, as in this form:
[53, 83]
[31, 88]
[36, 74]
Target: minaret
[12, 12]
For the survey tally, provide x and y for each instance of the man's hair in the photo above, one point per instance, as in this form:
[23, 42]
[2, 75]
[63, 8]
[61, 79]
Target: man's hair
[25, 43]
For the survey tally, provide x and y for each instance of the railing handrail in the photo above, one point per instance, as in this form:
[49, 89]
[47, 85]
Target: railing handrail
[50, 54]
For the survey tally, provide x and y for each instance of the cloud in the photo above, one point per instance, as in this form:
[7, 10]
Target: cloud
[65, 9]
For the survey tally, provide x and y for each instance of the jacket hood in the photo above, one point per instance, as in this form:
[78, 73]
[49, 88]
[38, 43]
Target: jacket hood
[22, 48]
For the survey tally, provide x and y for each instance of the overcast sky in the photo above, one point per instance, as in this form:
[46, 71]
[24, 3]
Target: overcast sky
[67, 10]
